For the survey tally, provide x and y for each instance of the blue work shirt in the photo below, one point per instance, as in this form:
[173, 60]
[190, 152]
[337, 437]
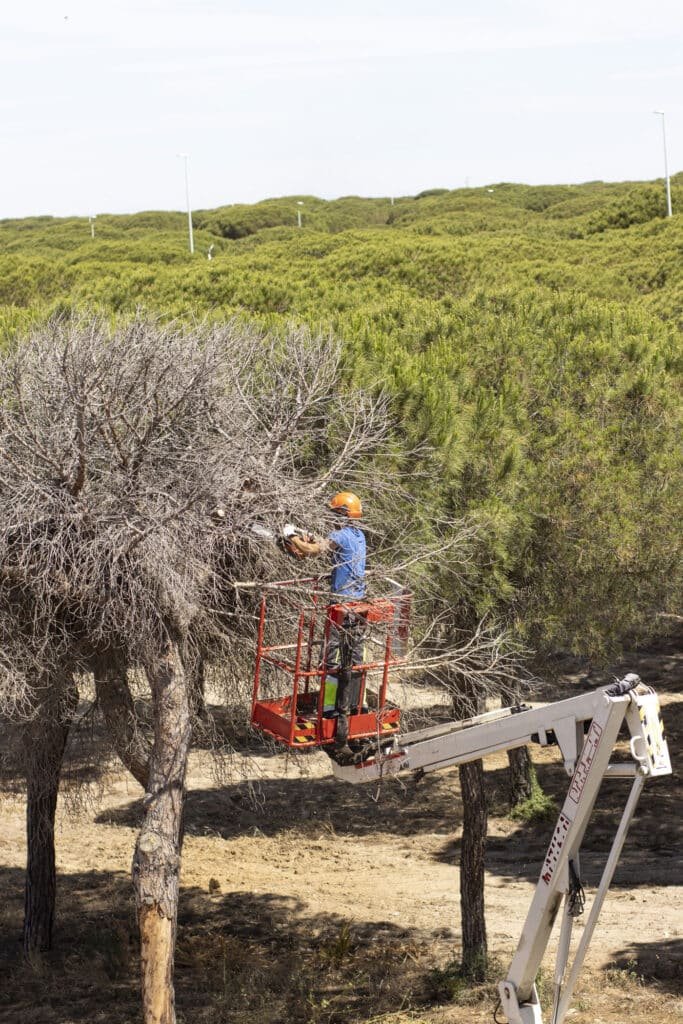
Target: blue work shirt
[348, 563]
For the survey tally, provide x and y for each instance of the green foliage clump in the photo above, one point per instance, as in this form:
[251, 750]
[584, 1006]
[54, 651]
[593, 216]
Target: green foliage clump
[242, 220]
[537, 807]
[636, 207]
[465, 985]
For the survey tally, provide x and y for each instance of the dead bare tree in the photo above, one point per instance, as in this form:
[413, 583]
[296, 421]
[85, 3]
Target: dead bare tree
[116, 449]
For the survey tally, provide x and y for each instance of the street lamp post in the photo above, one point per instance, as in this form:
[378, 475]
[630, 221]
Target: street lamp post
[299, 204]
[185, 157]
[660, 113]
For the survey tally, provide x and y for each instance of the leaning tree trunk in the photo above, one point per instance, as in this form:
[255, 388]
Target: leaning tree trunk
[118, 708]
[44, 742]
[156, 863]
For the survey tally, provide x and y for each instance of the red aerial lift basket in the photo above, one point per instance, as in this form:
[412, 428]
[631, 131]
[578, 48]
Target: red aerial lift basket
[290, 669]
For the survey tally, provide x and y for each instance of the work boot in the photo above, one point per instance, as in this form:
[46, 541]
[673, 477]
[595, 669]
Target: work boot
[342, 733]
[343, 755]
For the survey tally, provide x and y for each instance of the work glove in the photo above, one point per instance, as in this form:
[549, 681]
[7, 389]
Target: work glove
[285, 540]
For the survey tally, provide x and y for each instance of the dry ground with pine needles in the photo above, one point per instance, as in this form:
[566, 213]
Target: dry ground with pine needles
[307, 901]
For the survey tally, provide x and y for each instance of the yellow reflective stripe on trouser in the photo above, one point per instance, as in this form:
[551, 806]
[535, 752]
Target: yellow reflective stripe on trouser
[330, 694]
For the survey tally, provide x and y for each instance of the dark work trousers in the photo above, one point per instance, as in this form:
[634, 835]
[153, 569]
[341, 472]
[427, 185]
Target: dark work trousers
[346, 648]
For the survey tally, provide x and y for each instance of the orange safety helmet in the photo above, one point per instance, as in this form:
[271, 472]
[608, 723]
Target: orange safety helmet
[348, 504]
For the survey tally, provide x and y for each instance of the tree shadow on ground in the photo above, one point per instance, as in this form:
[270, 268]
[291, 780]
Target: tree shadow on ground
[261, 957]
[653, 961]
[433, 806]
[659, 664]
[240, 957]
[274, 806]
[653, 853]
[651, 857]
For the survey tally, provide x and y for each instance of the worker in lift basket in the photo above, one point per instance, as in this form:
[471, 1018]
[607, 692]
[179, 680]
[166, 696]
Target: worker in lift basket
[345, 647]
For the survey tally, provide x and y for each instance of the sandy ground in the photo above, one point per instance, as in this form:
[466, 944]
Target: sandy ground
[281, 858]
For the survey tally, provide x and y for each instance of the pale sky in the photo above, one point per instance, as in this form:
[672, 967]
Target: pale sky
[380, 97]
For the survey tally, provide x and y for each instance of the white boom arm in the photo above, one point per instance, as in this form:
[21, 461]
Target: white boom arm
[599, 715]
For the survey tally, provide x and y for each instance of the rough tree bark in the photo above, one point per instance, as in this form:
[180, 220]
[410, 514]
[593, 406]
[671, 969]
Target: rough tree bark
[474, 825]
[474, 828]
[197, 688]
[118, 709]
[521, 775]
[44, 742]
[156, 862]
